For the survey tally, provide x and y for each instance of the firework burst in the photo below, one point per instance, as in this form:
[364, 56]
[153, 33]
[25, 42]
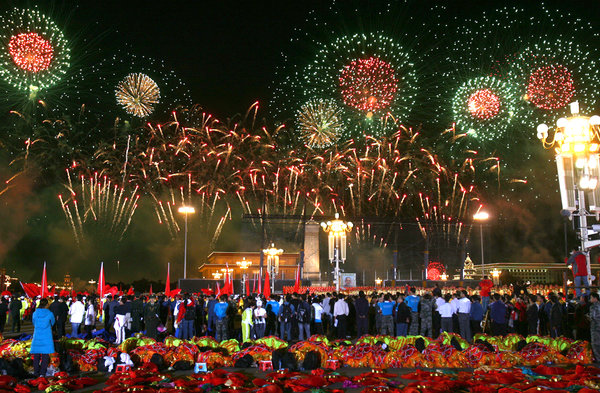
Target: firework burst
[484, 108]
[98, 206]
[34, 54]
[319, 122]
[137, 94]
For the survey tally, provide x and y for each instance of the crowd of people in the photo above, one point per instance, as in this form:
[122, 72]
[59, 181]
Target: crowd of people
[295, 317]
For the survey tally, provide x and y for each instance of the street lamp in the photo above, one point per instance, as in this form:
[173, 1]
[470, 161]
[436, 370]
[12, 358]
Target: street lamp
[576, 141]
[244, 264]
[444, 276]
[186, 211]
[496, 275]
[217, 275]
[378, 282]
[481, 216]
[337, 243]
[273, 263]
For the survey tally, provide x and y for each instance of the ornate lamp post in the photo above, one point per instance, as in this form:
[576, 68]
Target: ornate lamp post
[496, 276]
[576, 141]
[337, 243]
[217, 275]
[186, 211]
[378, 282]
[481, 216]
[273, 254]
[244, 264]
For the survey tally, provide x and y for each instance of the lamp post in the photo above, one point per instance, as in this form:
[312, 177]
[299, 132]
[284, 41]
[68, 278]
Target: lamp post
[273, 254]
[217, 275]
[337, 243]
[244, 264]
[186, 211]
[496, 276]
[576, 141]
[481, 216]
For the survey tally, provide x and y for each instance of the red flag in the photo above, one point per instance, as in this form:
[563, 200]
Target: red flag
[247, 288]
[31, 290]
[297, 283]
[130, 291]
[44, 290]
[101, 283]
[267, 290]
[218, 290]
[228, 287]
[52, 292]
[168, 285]
[254, 283]
[150, 289]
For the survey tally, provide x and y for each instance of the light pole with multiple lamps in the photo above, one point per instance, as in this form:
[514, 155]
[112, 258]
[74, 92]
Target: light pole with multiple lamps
[244, 264]
[337, 243]
[576, 141]
[186, 211]
[273, 254]
[481, 216]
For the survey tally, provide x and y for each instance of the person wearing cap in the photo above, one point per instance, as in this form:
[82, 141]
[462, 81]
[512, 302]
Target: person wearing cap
[260, 320]
[151, 317]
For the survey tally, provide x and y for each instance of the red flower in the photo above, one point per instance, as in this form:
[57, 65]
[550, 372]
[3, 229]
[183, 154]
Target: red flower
[21, 388]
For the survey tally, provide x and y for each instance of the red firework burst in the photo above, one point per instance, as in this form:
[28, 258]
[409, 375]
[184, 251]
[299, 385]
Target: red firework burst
[550, 87]
[484, 104]
[435, 270]
[368, 84]
[31, 52]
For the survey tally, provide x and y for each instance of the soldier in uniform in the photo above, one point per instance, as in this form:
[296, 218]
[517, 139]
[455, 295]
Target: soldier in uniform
[426, 315]
[595, 324]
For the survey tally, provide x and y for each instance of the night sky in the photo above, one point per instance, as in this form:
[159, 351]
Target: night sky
[226, 51]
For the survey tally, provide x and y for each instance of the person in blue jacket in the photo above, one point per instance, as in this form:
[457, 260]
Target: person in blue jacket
[42, 344]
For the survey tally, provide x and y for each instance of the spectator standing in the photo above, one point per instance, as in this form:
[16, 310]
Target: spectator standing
[533, 312]
[151, 317]
[221, 319]
[14, 309]
[3, 313]
[303, 316]
[340, 313]
[578, 263]
[317, 312]
[210, 306]
[247, 320]
[498, 316]
[412, 301]
[464, 316]
[556, 317]
[386, 309]
[42, 344]
[445, 310]
[361, 305]
[476, 315]
[402, 317]
[595, 324]
[77, 313]
[260, 320]
[273, 307]
[90, 317]
[120, 321]
[426, 315]
[286, 313]
[485, 286]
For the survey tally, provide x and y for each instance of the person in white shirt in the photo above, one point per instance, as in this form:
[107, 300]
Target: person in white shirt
[260, 320]
[340, 313]
[464, 315]
[76, 311]
[90, 318]
[317, 314]
[326, 316]
[445, 310]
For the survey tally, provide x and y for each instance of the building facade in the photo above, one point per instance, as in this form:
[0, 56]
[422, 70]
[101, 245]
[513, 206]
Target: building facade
[218, 262]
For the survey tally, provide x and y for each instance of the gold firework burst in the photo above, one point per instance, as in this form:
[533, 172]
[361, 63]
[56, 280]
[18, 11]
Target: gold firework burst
[138, 94]
[320, 123]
